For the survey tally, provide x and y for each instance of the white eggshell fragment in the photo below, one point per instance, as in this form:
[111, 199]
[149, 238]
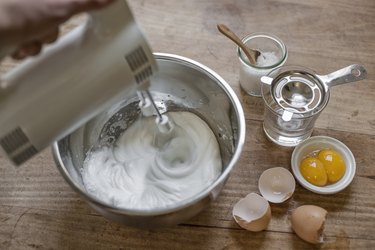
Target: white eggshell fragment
[308, 223]
[252, 213]
[276, 184]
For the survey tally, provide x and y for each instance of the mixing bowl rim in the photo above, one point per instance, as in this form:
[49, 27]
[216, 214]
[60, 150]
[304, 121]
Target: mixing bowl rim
[204, 193]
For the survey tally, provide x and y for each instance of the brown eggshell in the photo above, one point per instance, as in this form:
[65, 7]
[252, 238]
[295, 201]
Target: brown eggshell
[308, 223]
[256, 225]
[252, 213]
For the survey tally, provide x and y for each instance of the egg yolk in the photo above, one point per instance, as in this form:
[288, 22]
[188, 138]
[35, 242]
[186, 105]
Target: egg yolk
[333, 163]
[313, 171]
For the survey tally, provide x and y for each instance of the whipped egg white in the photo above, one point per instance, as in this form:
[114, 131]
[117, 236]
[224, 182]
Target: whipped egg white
[137, 174]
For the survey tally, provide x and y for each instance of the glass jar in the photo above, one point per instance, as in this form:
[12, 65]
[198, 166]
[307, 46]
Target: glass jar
[273, 54]
[292, 103]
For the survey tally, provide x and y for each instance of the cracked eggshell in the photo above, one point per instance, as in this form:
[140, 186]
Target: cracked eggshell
[252, 213]
[276, 184]
[308, 223]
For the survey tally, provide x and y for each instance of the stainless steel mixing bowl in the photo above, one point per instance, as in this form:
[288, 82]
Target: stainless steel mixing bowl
[180, 84]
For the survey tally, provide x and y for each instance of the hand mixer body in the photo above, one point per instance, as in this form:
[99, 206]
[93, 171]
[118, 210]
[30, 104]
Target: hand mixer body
[85, 72]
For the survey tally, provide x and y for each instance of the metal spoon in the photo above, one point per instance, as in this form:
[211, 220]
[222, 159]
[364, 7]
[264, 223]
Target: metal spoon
[251, 54]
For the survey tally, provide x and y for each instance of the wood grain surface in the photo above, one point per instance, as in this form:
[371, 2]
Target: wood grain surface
[39, 210]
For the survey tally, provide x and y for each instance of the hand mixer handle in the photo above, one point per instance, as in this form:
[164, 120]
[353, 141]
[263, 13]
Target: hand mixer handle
[82, 74]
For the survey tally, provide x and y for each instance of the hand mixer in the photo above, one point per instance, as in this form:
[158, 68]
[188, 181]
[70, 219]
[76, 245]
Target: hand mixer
[85, 72]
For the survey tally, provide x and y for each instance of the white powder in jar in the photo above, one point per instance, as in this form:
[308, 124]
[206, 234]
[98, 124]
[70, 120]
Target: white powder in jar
[250, 76]
[267, 59]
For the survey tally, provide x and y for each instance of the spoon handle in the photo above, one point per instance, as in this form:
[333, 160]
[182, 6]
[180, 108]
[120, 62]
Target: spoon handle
[352, 73]
[232, 36]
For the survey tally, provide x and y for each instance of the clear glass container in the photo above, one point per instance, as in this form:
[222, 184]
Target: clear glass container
[291, 110]
[274, 54]
[294, 96]
[287, 133]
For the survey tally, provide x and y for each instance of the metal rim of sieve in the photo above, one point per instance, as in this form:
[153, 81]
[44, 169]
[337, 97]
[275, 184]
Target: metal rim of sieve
[298, 91]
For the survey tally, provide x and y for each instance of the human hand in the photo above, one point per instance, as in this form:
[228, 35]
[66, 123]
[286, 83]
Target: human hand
[28, 24]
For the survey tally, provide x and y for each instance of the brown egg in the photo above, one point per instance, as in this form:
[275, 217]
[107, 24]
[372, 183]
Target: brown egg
[308, 223]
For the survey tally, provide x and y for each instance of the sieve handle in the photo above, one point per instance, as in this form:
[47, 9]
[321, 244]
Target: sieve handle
[352, 73]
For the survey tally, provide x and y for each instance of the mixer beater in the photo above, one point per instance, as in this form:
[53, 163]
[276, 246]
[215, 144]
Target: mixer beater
[164, 124]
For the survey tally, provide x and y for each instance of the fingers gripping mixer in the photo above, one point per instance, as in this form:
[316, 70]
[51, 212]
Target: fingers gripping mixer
[85, 72]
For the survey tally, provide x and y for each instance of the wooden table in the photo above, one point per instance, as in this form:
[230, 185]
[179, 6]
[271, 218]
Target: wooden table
[38, 210]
